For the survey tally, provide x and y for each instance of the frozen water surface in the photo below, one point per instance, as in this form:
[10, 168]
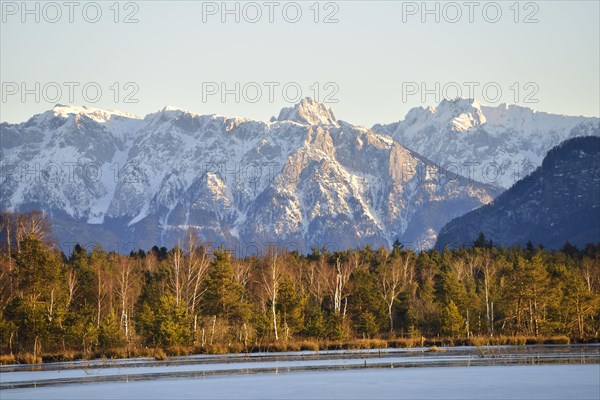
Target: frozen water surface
[499, 382]
[544, 372]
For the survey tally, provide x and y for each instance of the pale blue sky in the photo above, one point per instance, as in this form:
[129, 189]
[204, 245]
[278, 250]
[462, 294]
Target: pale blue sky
[369, 53]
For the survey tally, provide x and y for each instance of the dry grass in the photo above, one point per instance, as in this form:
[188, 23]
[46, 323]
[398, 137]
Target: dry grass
[280, 347]
[293, 346]
[358, 344]
[403, 343]
[355, 345]
[62, 357]
[160, 354]
[558, 340]
[377, 344]
[515, 340]
[433, 344]
[113, 353]
[173, 351]
[6, 359]
[144, 352]
[28, 358]
[235, 348]
[309, 346]
[216, 349]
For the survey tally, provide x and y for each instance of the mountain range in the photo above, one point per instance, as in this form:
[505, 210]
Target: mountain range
[302, 179]
[495, 145]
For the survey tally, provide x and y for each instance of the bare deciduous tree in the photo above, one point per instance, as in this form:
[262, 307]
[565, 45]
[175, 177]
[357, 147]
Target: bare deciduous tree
[7, 221]
[101, 289]
[271, 277]
[590, 271]
[242, 271]
[34, 225]
[337, 278]
[175, 278]
[72, 285]
[196, 266]
[124, 291]
[484, 264]
[391, 280]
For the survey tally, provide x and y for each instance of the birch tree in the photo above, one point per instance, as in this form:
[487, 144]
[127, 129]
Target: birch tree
[337, 277]
[391, 282]
[197, 262]
[124, 291]
[176, 262]
[271, 277]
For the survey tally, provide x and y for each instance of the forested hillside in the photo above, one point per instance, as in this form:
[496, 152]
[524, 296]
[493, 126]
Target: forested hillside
[558, 201]
[93, 302]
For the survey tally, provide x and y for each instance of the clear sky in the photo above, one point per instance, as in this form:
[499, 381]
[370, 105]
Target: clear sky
[375, 57]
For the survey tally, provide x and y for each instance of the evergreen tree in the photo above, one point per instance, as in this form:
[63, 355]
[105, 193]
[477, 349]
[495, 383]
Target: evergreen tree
[366, 306]
[223, 296]
[451, 322]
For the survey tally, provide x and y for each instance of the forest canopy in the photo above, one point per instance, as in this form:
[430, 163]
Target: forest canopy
[93, 300]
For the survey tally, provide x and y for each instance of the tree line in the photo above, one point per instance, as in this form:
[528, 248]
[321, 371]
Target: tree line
[192, 295]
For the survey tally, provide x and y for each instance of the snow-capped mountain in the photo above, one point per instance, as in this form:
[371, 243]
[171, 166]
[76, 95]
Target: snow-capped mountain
[303, 179]
[495, 145]
[558, 202]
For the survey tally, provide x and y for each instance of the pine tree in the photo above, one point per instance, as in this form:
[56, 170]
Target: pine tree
[451, 321]
[223, 296]
[366, 306]
[41, 293]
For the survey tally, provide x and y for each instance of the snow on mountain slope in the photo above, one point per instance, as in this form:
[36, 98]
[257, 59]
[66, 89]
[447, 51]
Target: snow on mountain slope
[495, 145]
[302, 179]
[308, 111]
[64, 158]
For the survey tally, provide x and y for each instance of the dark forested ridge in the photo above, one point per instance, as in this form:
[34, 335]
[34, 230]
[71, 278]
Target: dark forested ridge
[557, 202]
[93, 302]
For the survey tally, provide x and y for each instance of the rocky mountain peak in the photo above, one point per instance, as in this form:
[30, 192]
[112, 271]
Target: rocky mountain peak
[463, 114]
[308, 112]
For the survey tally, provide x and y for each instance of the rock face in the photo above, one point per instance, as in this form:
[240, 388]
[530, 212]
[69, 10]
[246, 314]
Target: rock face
[558, 202]
[304, 179]
[495, 145]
